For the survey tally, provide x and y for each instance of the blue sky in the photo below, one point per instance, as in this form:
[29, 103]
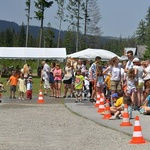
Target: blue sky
[119, 17]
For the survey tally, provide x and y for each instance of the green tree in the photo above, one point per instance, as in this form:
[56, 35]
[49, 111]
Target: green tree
[22, 36]
[141, 32]
[8, 38]
[69, 41]
[41, 5]
[48, 37]
[147, 18]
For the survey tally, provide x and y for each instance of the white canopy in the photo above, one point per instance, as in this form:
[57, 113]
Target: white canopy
[92, 53]
[32, 53]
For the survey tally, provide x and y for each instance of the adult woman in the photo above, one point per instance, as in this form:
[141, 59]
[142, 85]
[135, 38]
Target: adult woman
[115, 69]
[139, 73]
[51, 79]
[67, 80]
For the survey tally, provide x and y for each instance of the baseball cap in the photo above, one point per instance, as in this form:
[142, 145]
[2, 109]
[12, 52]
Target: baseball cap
[115, 95]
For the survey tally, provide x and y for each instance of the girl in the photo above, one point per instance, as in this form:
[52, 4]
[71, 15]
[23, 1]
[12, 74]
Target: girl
[131, 85]
[99, 80]
[22, 86]
[57, 78]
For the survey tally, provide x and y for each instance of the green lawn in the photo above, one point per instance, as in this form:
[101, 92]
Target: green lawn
[36, 86]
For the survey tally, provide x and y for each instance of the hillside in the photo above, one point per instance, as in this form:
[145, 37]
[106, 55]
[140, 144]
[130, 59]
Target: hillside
[34, 30]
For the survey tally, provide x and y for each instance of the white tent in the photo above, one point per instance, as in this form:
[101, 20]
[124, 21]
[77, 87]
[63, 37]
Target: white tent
[92, 53]
[32, 53]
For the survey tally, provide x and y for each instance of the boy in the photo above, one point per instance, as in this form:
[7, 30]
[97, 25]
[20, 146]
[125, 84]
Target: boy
[13, 84]
[118, 101]
[79, 82]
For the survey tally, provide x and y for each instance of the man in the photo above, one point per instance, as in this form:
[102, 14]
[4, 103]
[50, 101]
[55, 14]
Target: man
[45, 76]
[129, 64]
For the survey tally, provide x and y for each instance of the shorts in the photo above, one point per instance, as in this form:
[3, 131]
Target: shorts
[51, 78]
[78, 92]
[140, 84]
[57, 81]
[46, 84]
[69, 81]
[115, 85]
[13, 88]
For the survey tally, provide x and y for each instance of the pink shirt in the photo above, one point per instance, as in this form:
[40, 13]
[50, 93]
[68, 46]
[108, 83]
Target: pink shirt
[57, 74]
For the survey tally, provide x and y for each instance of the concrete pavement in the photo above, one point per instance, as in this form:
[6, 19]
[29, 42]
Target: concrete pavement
[88, 110]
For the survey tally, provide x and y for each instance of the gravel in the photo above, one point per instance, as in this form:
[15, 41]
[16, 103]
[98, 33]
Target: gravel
[51, 126]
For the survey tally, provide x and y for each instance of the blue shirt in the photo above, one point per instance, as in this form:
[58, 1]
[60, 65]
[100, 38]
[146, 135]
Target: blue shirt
[148, 99]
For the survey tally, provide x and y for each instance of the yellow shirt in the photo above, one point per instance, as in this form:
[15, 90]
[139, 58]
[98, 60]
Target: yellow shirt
[119, 102]
[107, 81]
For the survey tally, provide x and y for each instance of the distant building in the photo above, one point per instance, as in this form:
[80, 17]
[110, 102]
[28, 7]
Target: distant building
[137, 51]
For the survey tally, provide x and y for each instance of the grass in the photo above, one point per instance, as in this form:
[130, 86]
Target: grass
[36, 86]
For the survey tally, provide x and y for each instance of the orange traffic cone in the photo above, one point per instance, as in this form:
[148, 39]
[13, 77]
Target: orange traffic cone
[107, 113]
[98, 96]
[137, 134]
[126, 120]
[40, 99]
[101, 107]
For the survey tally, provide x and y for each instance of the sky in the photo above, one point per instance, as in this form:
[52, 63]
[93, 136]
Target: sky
[118, 17]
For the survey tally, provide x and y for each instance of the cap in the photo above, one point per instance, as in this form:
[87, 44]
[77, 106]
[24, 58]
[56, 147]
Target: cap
[114, 95]
[30, 77]
[136, 60]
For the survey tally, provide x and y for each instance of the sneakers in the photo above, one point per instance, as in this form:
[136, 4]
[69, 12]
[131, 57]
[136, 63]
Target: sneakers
[113, 118]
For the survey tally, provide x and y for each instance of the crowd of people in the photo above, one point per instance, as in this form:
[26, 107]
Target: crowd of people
[122, 82]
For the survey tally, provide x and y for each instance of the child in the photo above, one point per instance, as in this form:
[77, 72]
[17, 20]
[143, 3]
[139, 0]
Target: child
[120, 110]
[118, 100]
[86, 86]
[22, 86]
[13, 84]
[1, 90]
[131, 86]
[58, 79]
[145, 108]
[29, 88]
[99, 80]
[79, 82]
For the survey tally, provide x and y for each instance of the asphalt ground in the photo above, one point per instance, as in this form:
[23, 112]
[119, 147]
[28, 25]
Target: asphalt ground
[62, 124]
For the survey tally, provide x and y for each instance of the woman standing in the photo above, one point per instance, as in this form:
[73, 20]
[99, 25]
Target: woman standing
[115, 70]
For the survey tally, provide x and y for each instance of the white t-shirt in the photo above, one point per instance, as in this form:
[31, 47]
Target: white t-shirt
[116, 73]
[129, 64]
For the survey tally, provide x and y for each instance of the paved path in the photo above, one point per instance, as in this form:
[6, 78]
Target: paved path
[26, 125]
[88, 110]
